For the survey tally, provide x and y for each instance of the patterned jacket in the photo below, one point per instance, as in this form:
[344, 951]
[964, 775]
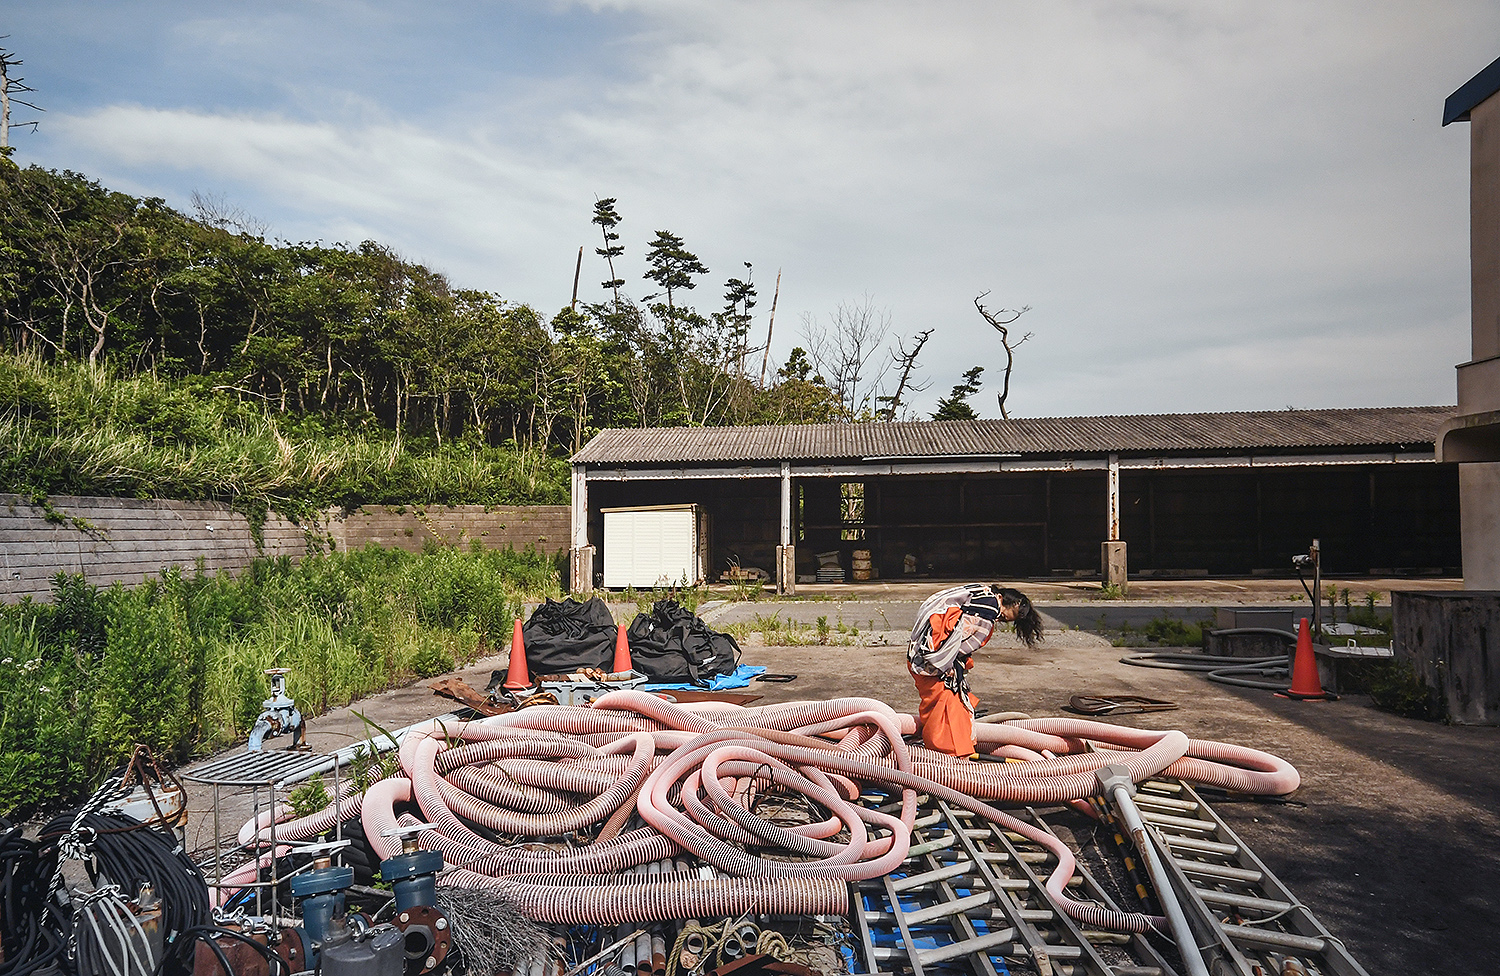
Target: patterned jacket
[951, 625]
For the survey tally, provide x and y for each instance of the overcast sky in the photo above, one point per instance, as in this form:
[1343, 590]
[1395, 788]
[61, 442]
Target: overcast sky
[1207, 205]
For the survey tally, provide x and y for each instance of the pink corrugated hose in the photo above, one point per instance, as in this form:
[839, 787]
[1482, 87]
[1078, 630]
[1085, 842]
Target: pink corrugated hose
[690, 772]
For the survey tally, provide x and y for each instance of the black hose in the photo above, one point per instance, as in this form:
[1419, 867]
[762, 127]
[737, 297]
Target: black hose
[32, 945]
[209, 935]
[1224, 670]
[128, 853]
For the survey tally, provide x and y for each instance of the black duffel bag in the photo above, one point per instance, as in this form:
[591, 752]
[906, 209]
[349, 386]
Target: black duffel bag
[671, 644]
[562, 637]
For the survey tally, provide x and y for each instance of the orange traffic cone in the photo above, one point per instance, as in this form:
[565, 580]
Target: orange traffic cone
[517, 677]
[1305, 683]
[622, 652]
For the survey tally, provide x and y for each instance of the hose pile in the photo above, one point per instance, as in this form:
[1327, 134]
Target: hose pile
[501, 791]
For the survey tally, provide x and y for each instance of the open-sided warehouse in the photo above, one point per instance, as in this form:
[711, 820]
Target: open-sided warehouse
[1187, 494]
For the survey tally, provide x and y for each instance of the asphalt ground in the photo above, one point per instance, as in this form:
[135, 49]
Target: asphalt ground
[1393, 839]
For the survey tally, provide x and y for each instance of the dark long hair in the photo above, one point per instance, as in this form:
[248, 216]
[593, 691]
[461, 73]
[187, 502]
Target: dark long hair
[1028, 621]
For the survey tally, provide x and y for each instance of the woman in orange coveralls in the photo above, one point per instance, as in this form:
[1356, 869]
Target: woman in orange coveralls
[951, 625]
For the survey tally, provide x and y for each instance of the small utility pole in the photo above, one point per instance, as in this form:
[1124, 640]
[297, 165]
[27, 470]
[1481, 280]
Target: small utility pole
[577, 270]
[8, 85]
[766, 357]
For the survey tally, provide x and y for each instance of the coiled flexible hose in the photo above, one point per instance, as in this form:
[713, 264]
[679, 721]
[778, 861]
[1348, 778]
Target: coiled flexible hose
[690, 774]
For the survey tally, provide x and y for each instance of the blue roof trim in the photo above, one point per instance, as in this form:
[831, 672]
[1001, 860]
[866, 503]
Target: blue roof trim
[1474, 91]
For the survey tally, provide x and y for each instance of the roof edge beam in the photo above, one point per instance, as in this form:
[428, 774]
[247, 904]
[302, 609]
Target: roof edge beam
[997, 466]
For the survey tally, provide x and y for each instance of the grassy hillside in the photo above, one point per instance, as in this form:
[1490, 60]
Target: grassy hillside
[70, 428]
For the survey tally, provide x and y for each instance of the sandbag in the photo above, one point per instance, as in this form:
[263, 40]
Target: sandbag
[672, 644]
[565, 636]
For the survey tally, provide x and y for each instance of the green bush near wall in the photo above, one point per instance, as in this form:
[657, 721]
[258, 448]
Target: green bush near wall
[177, 662]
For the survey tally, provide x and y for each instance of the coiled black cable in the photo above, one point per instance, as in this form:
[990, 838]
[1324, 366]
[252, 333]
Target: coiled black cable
[32, 946]
[127, 853]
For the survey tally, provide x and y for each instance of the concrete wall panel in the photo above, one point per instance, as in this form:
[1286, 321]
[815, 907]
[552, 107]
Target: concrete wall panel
[125, 540]
[1452, 639]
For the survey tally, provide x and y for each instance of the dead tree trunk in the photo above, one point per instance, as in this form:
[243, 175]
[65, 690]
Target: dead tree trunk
[1002, 321]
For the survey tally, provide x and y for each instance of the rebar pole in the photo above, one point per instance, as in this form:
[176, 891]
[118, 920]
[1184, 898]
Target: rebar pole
[1115, 783]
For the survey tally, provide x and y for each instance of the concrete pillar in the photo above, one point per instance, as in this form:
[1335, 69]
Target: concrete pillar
[1484, 228]
[580, 553]
[1479, 379]
[786, 552]
[1112, 552]
[1479, 501]
[1113, 488]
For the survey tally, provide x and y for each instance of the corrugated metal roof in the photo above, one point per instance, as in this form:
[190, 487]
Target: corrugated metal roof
[1172, 433]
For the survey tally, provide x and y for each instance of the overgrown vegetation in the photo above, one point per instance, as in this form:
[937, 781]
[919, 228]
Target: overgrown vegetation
[69, 428]
[1394, 686]
[177, 662]
[353, 337]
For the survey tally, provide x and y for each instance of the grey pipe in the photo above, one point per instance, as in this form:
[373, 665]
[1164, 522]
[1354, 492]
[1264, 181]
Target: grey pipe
[1115, 782]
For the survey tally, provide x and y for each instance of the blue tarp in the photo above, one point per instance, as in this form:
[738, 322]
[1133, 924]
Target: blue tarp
[740, 678]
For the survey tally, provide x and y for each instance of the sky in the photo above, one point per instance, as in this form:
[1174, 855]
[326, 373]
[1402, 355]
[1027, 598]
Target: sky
[1206, 204]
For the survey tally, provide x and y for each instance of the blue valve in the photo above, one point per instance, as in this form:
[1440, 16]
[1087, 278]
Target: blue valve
[412, 874]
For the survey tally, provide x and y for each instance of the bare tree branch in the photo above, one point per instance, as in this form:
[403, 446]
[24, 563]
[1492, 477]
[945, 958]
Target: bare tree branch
[907, 361]
[1002, 321]
[8, 86]
[842, 353]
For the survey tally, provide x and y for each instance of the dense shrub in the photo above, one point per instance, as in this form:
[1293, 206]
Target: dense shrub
[177, 663]
[1173, 632]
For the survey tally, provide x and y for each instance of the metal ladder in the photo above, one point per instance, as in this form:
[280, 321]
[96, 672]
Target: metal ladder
[1257, 921]
[971, 894]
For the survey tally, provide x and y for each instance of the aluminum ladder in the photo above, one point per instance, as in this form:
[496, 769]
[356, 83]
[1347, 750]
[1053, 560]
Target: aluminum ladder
[971, 894]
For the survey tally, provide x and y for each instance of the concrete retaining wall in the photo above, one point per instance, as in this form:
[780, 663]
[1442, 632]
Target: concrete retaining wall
[409, 527]
[125, 539]
[1452, 639]
[131, 540]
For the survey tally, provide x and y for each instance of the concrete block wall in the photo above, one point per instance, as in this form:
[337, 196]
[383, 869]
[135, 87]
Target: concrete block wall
[495, 526]
[126, 539]
[132, 540]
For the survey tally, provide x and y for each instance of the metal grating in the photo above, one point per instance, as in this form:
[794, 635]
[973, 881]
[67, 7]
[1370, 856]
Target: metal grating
[972, 896]
[1258, 921]
[255, 768]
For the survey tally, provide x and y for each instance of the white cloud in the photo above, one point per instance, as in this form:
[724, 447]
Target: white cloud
[1208, 205]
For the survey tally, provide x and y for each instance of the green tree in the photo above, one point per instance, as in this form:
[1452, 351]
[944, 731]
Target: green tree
[955, 406]
[608, 219]
[672, 267]
[797, 397]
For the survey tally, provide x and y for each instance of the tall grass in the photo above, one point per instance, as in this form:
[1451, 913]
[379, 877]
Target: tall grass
[68, 428]
[178, 662]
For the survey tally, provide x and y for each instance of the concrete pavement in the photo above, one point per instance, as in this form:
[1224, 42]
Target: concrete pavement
[1393, 839]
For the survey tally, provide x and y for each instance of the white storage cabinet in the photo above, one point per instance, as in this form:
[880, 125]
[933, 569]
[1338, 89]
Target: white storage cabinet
[655, 546]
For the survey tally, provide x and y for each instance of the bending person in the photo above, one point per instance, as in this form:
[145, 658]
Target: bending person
[951, 625]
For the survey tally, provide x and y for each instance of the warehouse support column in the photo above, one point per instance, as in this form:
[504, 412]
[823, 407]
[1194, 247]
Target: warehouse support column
[580, 553]
[1112, 553]
[786, 553]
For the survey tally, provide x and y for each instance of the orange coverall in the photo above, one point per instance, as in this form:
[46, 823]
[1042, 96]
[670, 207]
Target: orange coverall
[947, 719]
